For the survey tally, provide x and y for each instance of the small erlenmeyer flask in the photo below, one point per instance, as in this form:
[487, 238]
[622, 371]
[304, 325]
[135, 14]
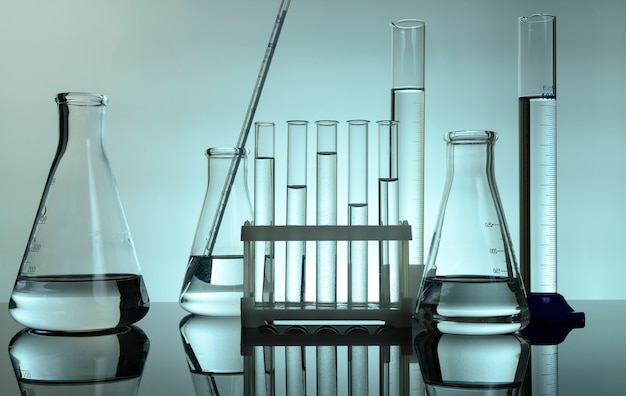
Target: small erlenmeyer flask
[80, 271]
[471, 283]
[213, 283]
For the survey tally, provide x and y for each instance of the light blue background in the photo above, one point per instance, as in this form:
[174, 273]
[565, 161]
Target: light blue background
[179, 75]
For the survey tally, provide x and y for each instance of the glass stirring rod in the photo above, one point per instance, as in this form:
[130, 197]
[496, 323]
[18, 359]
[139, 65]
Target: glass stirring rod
[247, 123]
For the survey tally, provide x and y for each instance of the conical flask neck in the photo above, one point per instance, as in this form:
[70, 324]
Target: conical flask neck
[81, 121]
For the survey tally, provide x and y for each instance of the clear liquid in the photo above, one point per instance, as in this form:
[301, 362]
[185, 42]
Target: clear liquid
[472, 305]
[263, 190]
[79, 303]
[326, 260]
[295, 250]
[358, 253]
[538, 227]
[407, 107]
[216, 288]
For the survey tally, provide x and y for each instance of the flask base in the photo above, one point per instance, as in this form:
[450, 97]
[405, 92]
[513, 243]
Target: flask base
[472, 305]
[79, 303]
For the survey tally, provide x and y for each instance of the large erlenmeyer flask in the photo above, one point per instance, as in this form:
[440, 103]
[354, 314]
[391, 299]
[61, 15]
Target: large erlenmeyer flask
[213, 284]
[79, 271]
[471, 283]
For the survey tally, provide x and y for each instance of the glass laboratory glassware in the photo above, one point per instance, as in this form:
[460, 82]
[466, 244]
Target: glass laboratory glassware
[471, 283]
[326, 209]
[537, 117]
[453, 364]
[213, 283]
[358, 208]
[388, 203]
[264, 176]
[407, 107]
[297, 131]
[54, 364]
[213, 351]
[80, 271]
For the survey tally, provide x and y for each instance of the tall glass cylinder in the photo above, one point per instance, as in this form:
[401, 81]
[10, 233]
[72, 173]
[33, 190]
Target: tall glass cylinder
[296, 207]
[537, 142]
[326, 251]
[357, 208]
[407, 107]
[263, 207]
[388, 202]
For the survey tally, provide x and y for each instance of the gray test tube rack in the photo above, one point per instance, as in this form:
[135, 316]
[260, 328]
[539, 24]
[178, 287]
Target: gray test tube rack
[256, 314]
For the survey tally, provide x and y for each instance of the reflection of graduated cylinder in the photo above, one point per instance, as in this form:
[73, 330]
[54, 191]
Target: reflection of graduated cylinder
[407, 106]
[326, 251]
[296, 207]
[537, 139]
[388, 202]
[357, 208]
[263, 206]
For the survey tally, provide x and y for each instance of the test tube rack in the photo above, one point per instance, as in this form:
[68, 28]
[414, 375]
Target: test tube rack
[255, 313]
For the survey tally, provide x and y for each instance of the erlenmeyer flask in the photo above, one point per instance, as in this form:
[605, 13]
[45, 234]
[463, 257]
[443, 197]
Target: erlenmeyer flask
[213, 284]
[471, 283]
[79, 271]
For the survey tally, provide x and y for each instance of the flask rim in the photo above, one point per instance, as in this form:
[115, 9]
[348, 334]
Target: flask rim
[408, 24]
[226, 151]
[537, 18]
[81, 99]
[471, 137]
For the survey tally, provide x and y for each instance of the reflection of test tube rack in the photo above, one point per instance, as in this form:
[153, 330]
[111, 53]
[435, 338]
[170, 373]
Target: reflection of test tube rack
[293, 360]
[262, 303]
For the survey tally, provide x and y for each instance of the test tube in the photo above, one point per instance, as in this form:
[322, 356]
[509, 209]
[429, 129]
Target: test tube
[296, 207]
[357, 208]
[263, 208]
[388, 203]
[537, 142]
[326, 251]
[407, 104]
[358, 250]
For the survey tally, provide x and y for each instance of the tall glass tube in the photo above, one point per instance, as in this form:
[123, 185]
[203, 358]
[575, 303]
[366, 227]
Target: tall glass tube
[357, 208]
[537, 142]
[388, 202]
[407, 107]
[296, 207]
[358, 250]
[326, 251]
[263, 208]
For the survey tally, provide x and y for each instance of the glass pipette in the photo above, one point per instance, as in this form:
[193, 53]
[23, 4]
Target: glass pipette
[247, 122]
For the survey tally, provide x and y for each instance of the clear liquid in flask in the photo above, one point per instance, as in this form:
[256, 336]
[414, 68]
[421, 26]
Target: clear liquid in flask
[473, 304]
[79, 302]
[215, 289]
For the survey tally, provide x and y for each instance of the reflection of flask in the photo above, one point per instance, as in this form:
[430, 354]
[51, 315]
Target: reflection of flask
[212, 347]
[80, 271]
[471, 282]
[106, 363]
[213, 284]
[454, 364]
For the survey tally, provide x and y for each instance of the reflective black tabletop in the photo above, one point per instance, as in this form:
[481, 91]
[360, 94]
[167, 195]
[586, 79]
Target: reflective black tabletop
[171, 353]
